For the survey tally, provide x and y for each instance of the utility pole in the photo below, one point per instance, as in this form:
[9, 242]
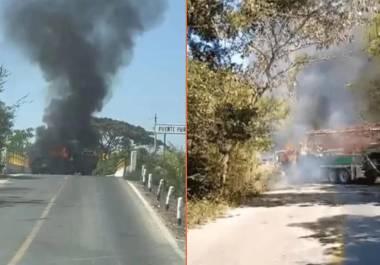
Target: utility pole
[164, 144]
[155, 133]
[179, 172]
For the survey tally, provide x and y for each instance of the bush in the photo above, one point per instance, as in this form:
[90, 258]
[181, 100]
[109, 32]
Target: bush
[201, 211]
[229, 123]
[109, 166]
[170, 167]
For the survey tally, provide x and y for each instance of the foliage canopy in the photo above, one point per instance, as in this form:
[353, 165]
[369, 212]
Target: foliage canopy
[240, 54]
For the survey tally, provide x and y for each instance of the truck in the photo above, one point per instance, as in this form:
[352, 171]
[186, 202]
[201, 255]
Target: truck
[61, 159]
[347, 155]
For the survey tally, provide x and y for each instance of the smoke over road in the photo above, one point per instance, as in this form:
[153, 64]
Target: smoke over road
[323, 96]
[324, 100]
[79, 45]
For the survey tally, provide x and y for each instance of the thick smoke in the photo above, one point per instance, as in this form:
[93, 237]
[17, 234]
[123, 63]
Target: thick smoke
[324, 100]
[79, 45]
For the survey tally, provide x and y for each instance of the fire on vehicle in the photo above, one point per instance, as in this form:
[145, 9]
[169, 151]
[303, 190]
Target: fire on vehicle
[347, 155]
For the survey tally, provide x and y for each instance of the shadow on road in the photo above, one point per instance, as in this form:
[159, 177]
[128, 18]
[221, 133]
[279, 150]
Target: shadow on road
[14, 200]
[24, 177]
[11, 196]
[360, 236]
[325, 195]
[13, 190]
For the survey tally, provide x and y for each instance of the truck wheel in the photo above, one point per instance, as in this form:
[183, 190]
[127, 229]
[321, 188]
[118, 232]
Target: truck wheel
[332, 176]
[370, 178]
[344, 176]
[370, 175]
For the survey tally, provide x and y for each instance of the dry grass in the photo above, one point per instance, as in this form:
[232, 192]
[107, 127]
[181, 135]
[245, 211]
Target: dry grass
[267, 175]
[203, 211]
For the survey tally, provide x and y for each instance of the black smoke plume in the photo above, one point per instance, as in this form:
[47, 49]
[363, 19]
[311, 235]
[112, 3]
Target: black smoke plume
[324, 99]
[79, 45]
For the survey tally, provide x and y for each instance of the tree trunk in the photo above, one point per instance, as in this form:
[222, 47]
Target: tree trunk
[226, 161]
[225, 164]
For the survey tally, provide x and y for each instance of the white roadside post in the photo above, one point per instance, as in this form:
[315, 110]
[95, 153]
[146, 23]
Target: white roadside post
[143, 172]
[150, 182]
[133, 163]
[167, 202]
[179, 211]
[160, 186]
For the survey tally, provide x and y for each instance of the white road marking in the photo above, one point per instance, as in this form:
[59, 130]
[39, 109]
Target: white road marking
[20, 253]
[95, 258]
[169, 237]
[4, 181]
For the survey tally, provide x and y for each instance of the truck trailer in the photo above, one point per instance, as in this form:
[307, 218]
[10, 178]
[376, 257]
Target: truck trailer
[349, 155]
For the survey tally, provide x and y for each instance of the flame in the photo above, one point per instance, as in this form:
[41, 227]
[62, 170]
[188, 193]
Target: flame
[61, 152]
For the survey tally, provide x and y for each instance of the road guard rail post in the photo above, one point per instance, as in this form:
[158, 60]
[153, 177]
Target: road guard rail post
[143, 172]
[179, 211]
[165, 196]
[159, 189]
[150, 182]
[167, 202]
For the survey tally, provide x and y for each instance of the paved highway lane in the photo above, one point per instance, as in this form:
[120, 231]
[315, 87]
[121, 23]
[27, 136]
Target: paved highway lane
[310, 224]
[78, 220]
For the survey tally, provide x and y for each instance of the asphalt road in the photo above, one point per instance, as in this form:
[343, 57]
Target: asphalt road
[309, 224]
[78, 220]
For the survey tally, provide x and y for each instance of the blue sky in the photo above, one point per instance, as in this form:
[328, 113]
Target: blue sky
[154, 82]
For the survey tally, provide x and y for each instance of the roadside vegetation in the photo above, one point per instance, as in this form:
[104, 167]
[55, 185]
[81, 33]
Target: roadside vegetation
[243, 62]
[6, 113]
[14, 141]
[169, 166]
[116, 141]
[367, 85]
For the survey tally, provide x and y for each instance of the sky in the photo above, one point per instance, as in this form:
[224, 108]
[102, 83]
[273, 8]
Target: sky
[153, 83]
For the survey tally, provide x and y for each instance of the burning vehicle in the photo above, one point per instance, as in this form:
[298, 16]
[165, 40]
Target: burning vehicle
[344, 156]
[79, 47]
[64, 160]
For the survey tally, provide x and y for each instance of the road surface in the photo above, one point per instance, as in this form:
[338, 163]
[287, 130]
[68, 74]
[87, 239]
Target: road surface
[76, 220]
[310, 224]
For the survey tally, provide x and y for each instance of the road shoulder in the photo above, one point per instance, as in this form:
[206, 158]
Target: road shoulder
[162, 222]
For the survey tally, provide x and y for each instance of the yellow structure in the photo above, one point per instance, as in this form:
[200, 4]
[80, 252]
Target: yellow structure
[19, 160]
[105, 156]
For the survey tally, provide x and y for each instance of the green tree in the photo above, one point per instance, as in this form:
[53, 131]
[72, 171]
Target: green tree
[241, 53]
[115, 142]
[20, 141]
[6, 113]
[115, 136]
[367, 85]
[111, 135]
[205, 19]
[225, 126]
[170, 167]
[268, 34]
